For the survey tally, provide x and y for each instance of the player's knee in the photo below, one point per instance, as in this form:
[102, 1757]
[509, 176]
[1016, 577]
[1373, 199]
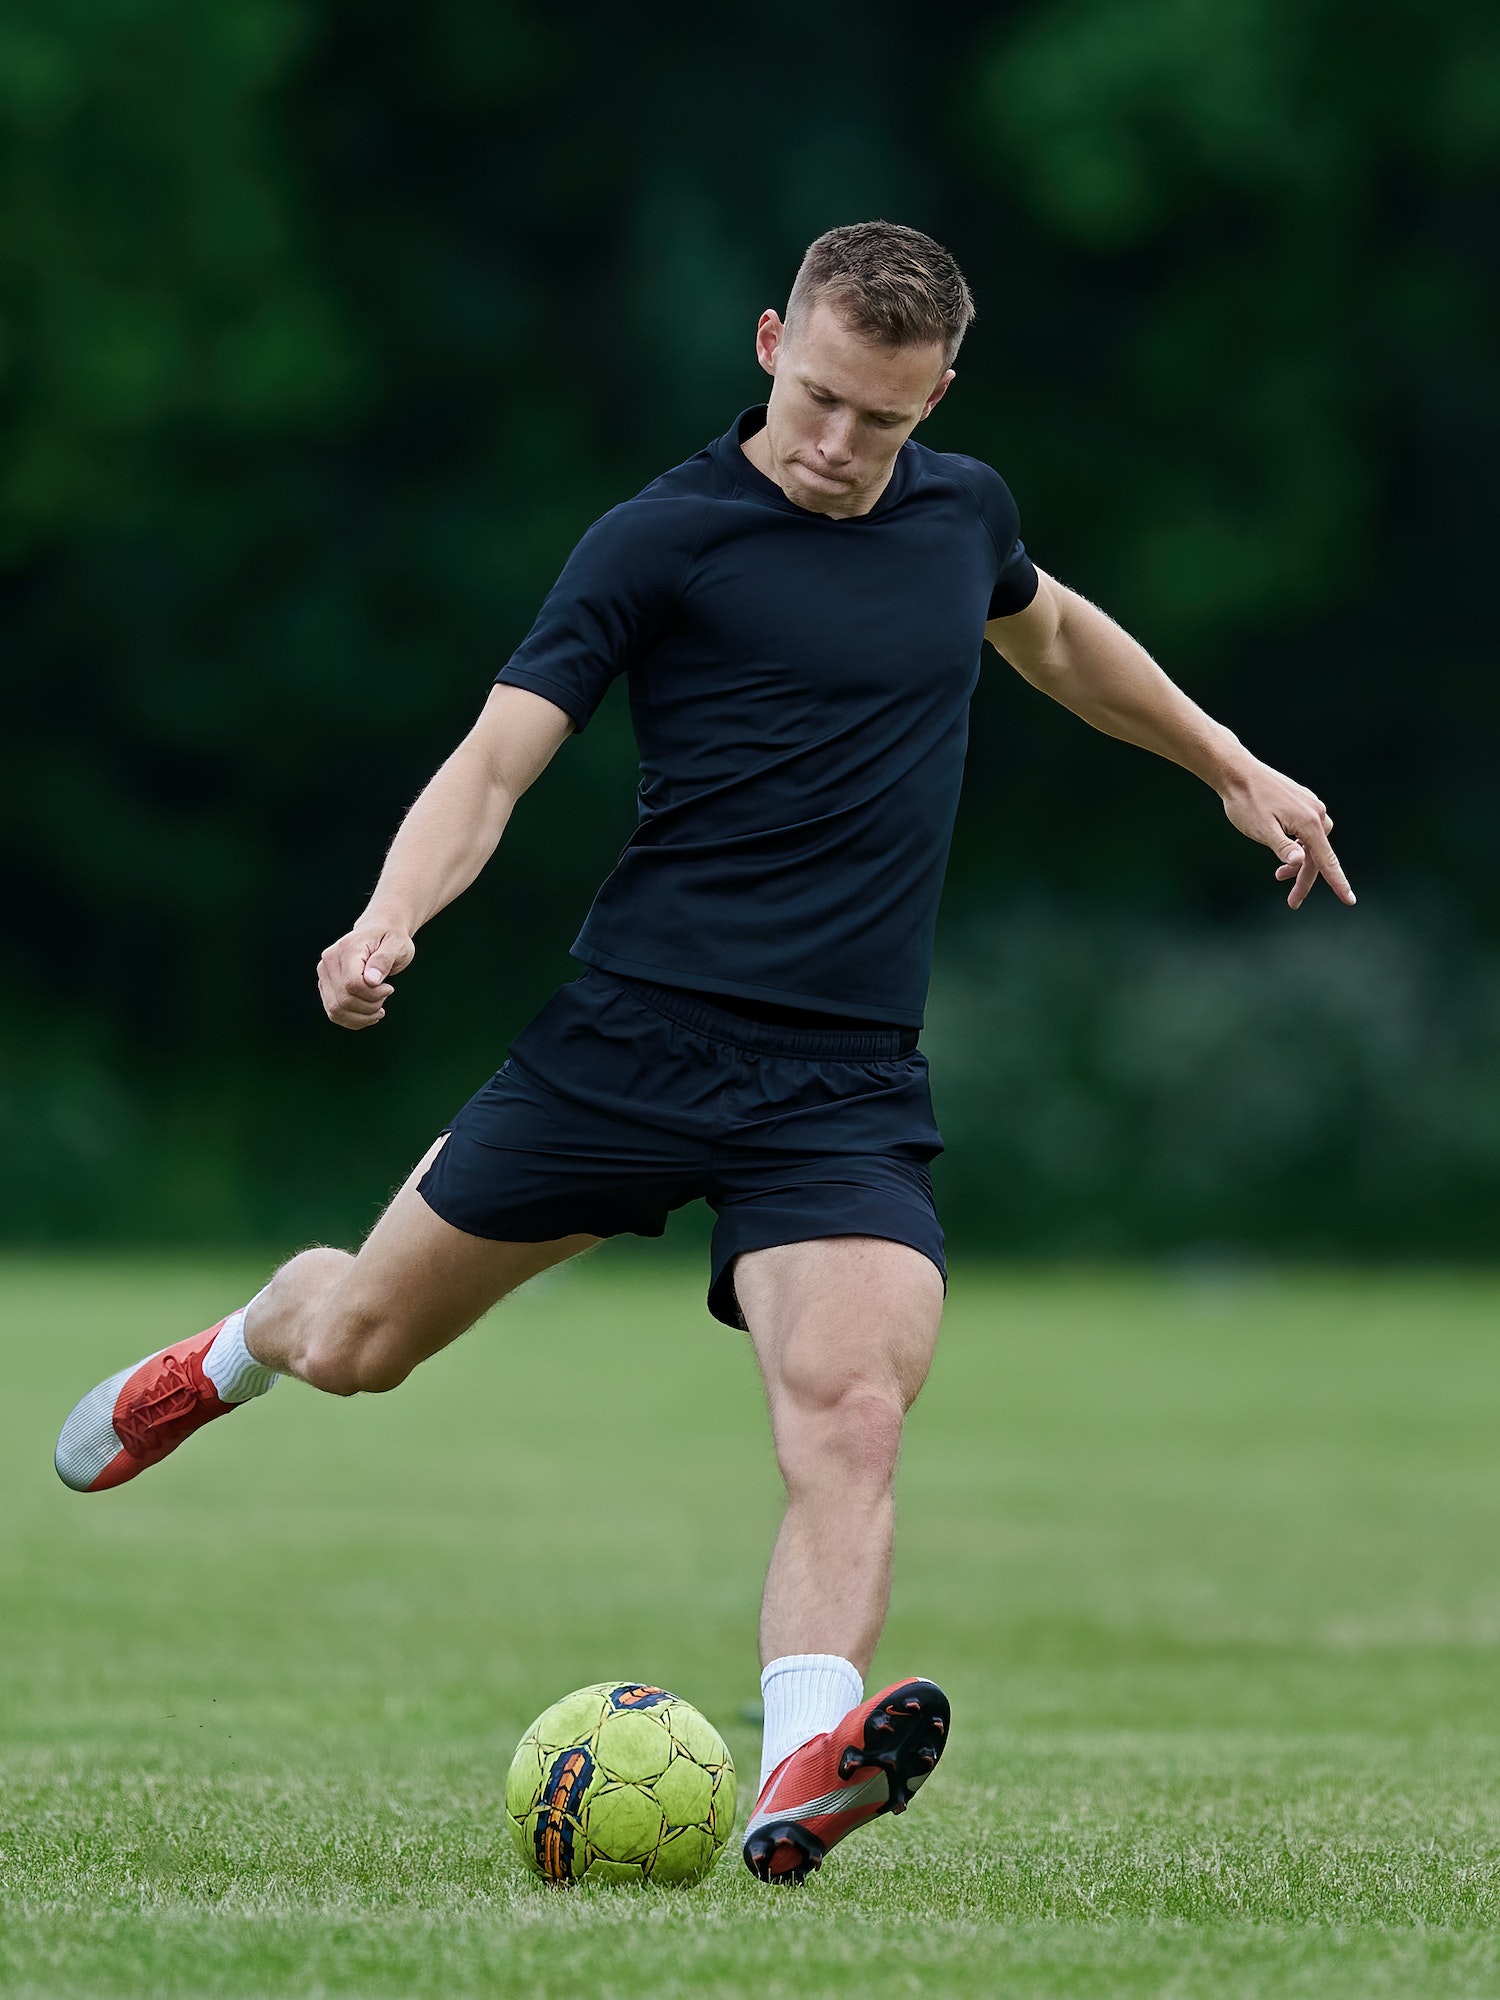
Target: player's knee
[352, 1374]
[852, 1435]
[357, 1358]
[869, 1424]
[376, 1373]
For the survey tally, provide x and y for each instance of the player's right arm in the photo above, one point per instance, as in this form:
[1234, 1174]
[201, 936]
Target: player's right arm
[624, 572]
[441, 845]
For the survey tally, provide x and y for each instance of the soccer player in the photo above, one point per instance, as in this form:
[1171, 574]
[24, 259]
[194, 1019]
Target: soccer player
[799, 611]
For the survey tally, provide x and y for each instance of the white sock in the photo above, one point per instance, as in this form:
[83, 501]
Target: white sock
[232, 1368]
[805, 1693]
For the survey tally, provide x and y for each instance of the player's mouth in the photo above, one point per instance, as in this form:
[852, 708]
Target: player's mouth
[828, 478]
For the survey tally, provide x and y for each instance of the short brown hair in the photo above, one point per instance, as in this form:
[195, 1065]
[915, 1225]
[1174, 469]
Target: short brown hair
[891, 283]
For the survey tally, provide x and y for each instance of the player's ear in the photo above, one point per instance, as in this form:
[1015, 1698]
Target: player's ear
[770, 334]
[938, 393]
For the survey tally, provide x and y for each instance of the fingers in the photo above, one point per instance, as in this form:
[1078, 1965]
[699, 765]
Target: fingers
[345, 1017]
[1301, 889]
[352, 1011]
[391, 953]
[1333, 874]
[1294, 823]
[348, 1002]
[356, 1010]
[1320, 860]
[1298, 868]
[352, 981]
[1304, 860]
[382, 962]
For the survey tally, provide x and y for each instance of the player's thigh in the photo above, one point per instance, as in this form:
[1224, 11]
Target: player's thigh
[840, 1319]
[417, 1282]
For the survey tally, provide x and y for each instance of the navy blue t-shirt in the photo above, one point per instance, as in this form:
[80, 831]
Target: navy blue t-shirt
[800, 691]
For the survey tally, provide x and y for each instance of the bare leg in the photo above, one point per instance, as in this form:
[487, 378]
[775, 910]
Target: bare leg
[349, 1323]
[844, 1329]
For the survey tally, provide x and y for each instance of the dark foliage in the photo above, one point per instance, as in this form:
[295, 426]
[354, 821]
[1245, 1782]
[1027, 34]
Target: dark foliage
[324, 329]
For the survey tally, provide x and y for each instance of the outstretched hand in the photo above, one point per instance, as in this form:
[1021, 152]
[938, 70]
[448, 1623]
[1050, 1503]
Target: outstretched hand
[354, 975]
[1294, 823]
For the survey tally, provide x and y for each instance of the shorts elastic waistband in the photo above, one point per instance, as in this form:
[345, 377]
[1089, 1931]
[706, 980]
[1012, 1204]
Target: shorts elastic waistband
[719, 1024]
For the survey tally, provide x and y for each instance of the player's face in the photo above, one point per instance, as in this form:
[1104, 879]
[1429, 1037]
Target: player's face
[841, 407]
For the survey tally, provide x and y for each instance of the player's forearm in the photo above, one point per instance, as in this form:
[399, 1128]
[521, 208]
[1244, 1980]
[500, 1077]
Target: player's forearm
[1093, 667]
[442, 844]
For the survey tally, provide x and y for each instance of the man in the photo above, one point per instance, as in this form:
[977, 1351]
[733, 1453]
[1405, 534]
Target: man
[800, 610]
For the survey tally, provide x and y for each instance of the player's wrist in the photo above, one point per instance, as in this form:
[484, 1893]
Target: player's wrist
[386, 922]
[1227, 765]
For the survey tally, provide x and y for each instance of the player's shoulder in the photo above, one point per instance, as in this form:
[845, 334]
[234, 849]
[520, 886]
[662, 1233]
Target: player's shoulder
[653, 528]
[957, 468]
[696, 479]
[666, 510]
[975, 483]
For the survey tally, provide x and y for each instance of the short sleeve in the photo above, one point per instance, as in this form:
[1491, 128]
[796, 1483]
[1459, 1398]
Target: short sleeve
[1016, 584]
[613, 592]
[1016, 580]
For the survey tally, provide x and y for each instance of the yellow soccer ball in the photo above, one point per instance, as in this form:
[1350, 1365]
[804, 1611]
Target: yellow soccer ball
[621, 1783]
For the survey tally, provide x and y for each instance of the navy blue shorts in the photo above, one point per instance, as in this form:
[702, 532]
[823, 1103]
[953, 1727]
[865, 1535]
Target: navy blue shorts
[621, 1101]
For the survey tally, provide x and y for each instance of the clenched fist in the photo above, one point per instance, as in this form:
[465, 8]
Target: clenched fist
[354, 975]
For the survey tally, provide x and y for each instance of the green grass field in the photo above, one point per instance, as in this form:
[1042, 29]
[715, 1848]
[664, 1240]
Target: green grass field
[1210, 1566]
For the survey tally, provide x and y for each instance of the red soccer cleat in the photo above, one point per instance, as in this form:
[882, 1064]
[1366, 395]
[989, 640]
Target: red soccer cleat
[137, 1417]
[869, 1764]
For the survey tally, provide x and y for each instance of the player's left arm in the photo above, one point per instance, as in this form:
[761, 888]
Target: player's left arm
[1069, 649]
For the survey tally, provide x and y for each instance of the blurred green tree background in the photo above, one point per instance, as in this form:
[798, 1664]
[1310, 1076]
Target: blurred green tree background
[324, 331]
